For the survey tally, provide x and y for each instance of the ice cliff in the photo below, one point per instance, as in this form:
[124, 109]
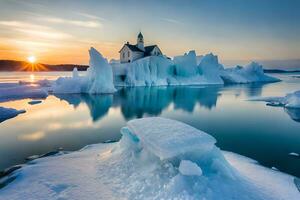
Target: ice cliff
[188, 69]
[156, 158]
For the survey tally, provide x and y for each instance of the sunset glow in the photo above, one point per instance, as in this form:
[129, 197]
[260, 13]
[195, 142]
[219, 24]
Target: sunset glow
[31, 59]
[60, 36]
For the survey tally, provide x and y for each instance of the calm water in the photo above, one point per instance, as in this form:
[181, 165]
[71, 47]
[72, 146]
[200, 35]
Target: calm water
[264, 133]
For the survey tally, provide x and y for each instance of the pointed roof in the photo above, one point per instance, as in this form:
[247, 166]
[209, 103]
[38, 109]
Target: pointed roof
[140, 35]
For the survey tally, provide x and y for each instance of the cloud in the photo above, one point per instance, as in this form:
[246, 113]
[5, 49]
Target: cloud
[173, 21]
[81, 23]
[20, 24]
[35, 30]
[89, 16]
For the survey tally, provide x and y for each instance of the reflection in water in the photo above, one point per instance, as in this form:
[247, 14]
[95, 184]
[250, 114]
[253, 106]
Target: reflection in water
[294, 113]
[250, 90]
[97, 104]
[32, 136]
[138, 101]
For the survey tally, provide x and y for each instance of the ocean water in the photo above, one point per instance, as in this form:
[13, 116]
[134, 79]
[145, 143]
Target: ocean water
[250, 128]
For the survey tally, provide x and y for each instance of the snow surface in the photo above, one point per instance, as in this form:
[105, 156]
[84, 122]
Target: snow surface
[99, 78]
[291, 100]
[7, 113]
[129, 169]
[10, 92]
[157, 138]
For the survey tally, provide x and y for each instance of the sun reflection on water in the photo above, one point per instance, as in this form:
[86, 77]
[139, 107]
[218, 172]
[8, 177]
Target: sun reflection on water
[32, 78]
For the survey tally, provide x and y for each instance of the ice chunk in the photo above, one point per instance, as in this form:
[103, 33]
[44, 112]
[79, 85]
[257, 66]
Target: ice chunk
[189, 168]
[249, 74]
[75, 73]
[294, 154]
[7, 113]
[99, 78]
[99, 74]
[290, 101]
[163, 136]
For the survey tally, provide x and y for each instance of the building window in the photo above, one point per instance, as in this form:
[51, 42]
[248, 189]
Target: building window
[123, 54]
[128, 54]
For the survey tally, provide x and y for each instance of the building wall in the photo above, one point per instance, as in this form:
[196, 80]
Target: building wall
[126, 55]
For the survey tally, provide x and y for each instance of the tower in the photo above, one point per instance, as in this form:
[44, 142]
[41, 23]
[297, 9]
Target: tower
[140, 41]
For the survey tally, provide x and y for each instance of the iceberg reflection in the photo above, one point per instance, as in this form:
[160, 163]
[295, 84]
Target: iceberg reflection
[294, 113]
[139, 101]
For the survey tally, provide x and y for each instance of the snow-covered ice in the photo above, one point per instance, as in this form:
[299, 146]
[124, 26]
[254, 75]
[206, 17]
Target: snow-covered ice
[133, 169]
[249, 74]
[7, 113]
[157, 138]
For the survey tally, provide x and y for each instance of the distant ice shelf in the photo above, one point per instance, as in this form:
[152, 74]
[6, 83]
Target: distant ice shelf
[151, 162]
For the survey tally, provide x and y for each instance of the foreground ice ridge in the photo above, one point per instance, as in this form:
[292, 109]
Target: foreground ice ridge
[188, 69]
[156, 158]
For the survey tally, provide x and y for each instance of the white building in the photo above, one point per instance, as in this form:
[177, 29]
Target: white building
[130, 52]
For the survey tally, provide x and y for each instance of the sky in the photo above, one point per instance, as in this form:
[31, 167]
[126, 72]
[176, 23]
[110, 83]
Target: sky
[62, 31]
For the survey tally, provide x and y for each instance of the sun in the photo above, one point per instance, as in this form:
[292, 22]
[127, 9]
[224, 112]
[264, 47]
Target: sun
[31, 59]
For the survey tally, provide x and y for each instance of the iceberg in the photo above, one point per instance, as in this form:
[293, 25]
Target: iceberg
[7, 113]
[99, 74]
[145, 164]
[188, 69]
[252, 73]
[99, 79]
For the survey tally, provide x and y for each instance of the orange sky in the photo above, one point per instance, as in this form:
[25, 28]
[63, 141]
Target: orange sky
[59, 32]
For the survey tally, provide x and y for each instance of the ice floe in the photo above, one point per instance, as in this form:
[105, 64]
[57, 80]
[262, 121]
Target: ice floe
[291, 100]
[145, 164]
[11, 92]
